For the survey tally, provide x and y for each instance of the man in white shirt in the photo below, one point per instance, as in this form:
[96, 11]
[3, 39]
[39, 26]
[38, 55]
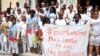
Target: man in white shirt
[19, 14]
[9, 10]
[16, 8]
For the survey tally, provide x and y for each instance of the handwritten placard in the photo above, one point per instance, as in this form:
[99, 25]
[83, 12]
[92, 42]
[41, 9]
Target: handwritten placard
[65, 40]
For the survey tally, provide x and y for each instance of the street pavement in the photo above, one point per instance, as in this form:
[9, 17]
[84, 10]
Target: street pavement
[20, 53]
[26, 54]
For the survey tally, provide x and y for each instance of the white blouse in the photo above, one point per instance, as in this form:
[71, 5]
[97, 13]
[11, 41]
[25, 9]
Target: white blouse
[60, 22]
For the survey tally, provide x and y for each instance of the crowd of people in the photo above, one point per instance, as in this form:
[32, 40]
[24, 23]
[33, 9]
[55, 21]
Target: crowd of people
[27, 25]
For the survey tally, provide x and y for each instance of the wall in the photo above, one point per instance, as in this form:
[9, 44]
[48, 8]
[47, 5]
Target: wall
[33, 4]
[68, 2]
[6, 3]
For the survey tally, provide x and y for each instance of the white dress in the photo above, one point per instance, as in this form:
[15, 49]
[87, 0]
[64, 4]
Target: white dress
[60, 22]
[44, 44]
[85, 17]
[23, 28]
[69, 15]
[18, 16]
[81, 22]
[95, 26]
[95, 33]
[52, 17]
[89, 8]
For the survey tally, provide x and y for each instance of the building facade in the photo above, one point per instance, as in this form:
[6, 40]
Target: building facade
[4, 4]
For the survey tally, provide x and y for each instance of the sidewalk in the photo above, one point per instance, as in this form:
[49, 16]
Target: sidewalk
[26, 54]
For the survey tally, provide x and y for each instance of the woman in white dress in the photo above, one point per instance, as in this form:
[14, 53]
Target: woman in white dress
[61, 20]
[95, 34]
[52, 14]
[89, 8]
[82, 12]
[42, 37]
[77, 20]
